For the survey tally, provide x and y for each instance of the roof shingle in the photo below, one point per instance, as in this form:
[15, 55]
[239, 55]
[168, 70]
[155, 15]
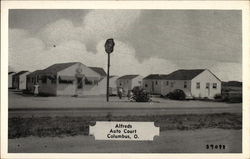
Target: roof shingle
[128, 77]
[155, 76]
[183, 74]
[19, 73]
[99, 70]
[35, 73]
[57, 67]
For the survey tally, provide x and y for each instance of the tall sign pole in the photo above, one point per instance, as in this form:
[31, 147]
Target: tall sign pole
[109, 47]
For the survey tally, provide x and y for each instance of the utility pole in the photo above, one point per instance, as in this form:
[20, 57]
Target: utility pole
[109, 47]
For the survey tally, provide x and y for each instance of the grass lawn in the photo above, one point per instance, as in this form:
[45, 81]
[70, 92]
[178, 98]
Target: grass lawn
[59, 126]
[170, 141]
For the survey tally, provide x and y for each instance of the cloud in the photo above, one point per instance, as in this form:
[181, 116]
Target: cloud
[104, 24]
[228, 71]
[62, 41]
[30, 53]
[123, 61]
[60, 31]
[96, 25]
[25, 51]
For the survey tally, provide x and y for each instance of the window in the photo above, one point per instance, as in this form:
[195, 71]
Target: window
[32, 80]
[207, 85]
[172, 84]
[198, 85]
[65, 81]
[156, 82]
[44, 79]
[214, 85]
[185, 84]
[54, 80]
[146, 85]
[120, 84]
[79, 83]
[88, 82]
[167, 83]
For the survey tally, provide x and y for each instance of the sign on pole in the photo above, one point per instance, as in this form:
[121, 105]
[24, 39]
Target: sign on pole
[109, 47]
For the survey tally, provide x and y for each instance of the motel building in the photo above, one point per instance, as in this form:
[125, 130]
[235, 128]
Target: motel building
[19, 80]
[128, 82]
[153, 83]
[32, 79]
[113, 85]
[10, 79]
[71, 79]
[198, 83]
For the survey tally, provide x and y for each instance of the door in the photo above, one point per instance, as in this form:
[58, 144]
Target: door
[208, 90]
[79, 83]
[153, 87]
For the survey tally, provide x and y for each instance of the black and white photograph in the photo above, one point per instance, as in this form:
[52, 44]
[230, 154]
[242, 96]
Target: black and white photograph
[125, 81]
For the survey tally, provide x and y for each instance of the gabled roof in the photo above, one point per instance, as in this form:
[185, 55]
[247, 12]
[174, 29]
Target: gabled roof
[10, 73]
[128, 76]
[99, 70]
[112, 76]
[184, 74]
[57, 67]
[155, 76]
[20, 73]
[35, 73]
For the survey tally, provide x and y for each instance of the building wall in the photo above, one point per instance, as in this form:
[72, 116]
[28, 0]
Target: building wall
[113, 85]
[203, 78]
[97, 89]
[175, 84]
[22, 81]
[30, 83]
[10, 80]
[47, 88]
[126, 84]
[137, 81]
[15, 82]
[71, 89]
[102, 86]
[129, 84]
[152, 85]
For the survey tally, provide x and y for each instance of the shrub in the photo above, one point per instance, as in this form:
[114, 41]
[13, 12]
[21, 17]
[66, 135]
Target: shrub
[217, 96]
[232, 97]
[140, 95]
[177, 95]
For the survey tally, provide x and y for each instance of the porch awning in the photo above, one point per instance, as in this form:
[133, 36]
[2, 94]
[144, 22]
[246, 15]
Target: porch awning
[93, 78]
[67, 78]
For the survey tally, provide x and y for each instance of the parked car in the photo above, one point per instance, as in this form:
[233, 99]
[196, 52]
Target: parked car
[177, 94]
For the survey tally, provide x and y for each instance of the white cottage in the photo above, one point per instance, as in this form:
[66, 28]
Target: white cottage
[72, 78]
[153, 83]
[32, 79]
[128, 82]
[10, 79]
[112, 85]
[19, 80]
[198, 83]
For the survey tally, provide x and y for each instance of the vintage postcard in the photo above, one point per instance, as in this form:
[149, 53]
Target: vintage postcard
[125, 79]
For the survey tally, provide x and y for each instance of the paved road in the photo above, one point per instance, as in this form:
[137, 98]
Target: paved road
[20, 105]
[118, 111]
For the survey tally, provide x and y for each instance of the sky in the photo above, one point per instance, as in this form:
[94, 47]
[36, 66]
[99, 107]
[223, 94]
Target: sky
[146, 41]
